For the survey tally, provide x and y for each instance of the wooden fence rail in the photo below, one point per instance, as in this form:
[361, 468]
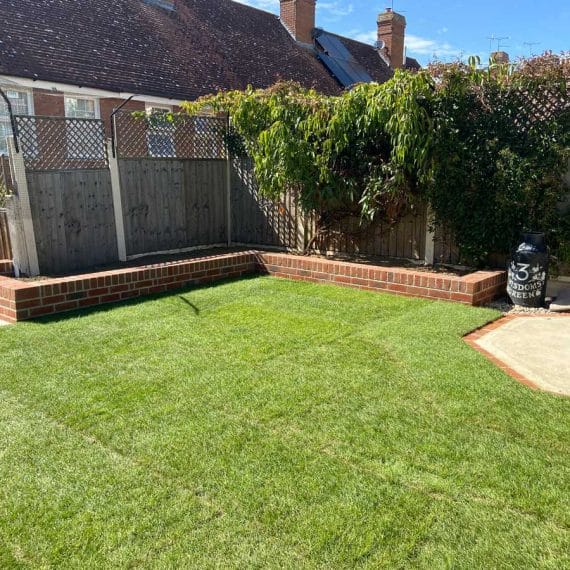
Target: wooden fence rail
[5, 245]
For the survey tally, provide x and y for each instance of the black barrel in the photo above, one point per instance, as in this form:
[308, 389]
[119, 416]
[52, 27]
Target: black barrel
[528, 271]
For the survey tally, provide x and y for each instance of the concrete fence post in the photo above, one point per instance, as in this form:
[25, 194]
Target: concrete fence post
[24, 239]
[302, 223]
[229, 198]
[429, 256]
[117, 202]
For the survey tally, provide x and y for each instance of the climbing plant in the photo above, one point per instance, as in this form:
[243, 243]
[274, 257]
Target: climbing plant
[485, 147]
[362, 153]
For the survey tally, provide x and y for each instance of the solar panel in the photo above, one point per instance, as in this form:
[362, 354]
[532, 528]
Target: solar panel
[164, 4]
[337, 69]
[339, 61]
[333, 46]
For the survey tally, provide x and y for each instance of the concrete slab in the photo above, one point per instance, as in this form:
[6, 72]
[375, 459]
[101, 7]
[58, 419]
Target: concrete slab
[537, 348]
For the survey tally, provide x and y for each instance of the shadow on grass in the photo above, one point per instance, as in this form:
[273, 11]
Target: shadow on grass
[135, 301]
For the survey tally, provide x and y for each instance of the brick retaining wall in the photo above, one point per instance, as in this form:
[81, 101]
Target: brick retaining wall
[21, 300]
[473, 289]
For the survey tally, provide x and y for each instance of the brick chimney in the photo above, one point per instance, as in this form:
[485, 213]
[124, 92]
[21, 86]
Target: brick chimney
[298, 16]
[392, 31]
[500, 57]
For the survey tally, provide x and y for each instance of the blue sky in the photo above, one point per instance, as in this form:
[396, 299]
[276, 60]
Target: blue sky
[451, 28]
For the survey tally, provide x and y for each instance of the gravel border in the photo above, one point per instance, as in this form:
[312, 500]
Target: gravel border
[507, 308]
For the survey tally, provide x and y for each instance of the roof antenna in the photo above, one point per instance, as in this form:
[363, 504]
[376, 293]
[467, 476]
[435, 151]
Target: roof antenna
[529, 46]
[500, 42]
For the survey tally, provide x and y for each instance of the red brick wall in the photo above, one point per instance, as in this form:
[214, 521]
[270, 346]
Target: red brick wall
[20, 300]
[298, 16]
[107, 106]
[474, 289]
[48, 103]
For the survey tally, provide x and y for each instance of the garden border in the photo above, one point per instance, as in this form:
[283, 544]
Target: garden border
[22, 300]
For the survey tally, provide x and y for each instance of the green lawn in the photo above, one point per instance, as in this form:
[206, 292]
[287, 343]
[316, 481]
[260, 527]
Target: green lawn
[272, 424]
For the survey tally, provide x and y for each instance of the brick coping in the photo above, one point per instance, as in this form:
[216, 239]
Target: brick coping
[472, 338]
[21, 300]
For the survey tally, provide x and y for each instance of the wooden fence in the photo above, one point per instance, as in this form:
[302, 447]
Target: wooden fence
[73, 218]
[405, 239]
[5, 244]
[79, 207]
[258, 221]
[173, 204]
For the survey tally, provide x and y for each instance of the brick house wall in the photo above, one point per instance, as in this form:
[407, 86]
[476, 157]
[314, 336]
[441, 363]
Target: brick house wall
[48, 104]
[51, 104]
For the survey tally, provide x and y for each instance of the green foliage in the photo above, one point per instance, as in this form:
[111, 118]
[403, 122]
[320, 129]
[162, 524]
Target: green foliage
[500, 153]
[363, 152]
[485, 147]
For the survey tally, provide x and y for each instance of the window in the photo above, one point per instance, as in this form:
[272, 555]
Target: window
[76, 108]
[21, 102]
[209, 137]
[85, 141]
[160, 134]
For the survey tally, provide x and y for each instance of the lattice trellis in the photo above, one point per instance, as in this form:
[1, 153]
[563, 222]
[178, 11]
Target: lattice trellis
[57, 143]
[541, 105]
[164, 135]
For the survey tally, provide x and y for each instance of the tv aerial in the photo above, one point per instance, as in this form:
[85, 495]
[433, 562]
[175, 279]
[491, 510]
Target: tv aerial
[500, 42]
[391, 7]
[530, 45]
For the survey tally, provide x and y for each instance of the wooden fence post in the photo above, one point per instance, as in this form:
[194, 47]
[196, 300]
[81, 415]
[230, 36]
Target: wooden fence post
[117, 202]
[24, 241]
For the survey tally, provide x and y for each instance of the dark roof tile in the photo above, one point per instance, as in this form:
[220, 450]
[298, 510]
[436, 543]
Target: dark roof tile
[131, 46]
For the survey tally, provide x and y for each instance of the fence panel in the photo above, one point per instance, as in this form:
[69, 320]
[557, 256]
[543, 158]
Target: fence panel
[5, 244]
[259, 221]
[74, 222]
[171, 204]
[6, 182]
[405, 239]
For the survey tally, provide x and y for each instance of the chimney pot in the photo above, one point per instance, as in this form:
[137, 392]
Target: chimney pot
[299, 17]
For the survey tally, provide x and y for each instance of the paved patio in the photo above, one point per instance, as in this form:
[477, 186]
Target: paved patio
[534, 350]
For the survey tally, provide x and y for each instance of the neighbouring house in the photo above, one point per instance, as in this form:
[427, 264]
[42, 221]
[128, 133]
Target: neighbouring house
[83, 59]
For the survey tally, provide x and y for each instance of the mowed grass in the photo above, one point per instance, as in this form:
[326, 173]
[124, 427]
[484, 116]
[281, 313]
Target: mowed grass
[272, 424]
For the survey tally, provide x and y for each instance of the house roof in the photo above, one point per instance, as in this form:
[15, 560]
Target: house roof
[412, 64]
[133, 46]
